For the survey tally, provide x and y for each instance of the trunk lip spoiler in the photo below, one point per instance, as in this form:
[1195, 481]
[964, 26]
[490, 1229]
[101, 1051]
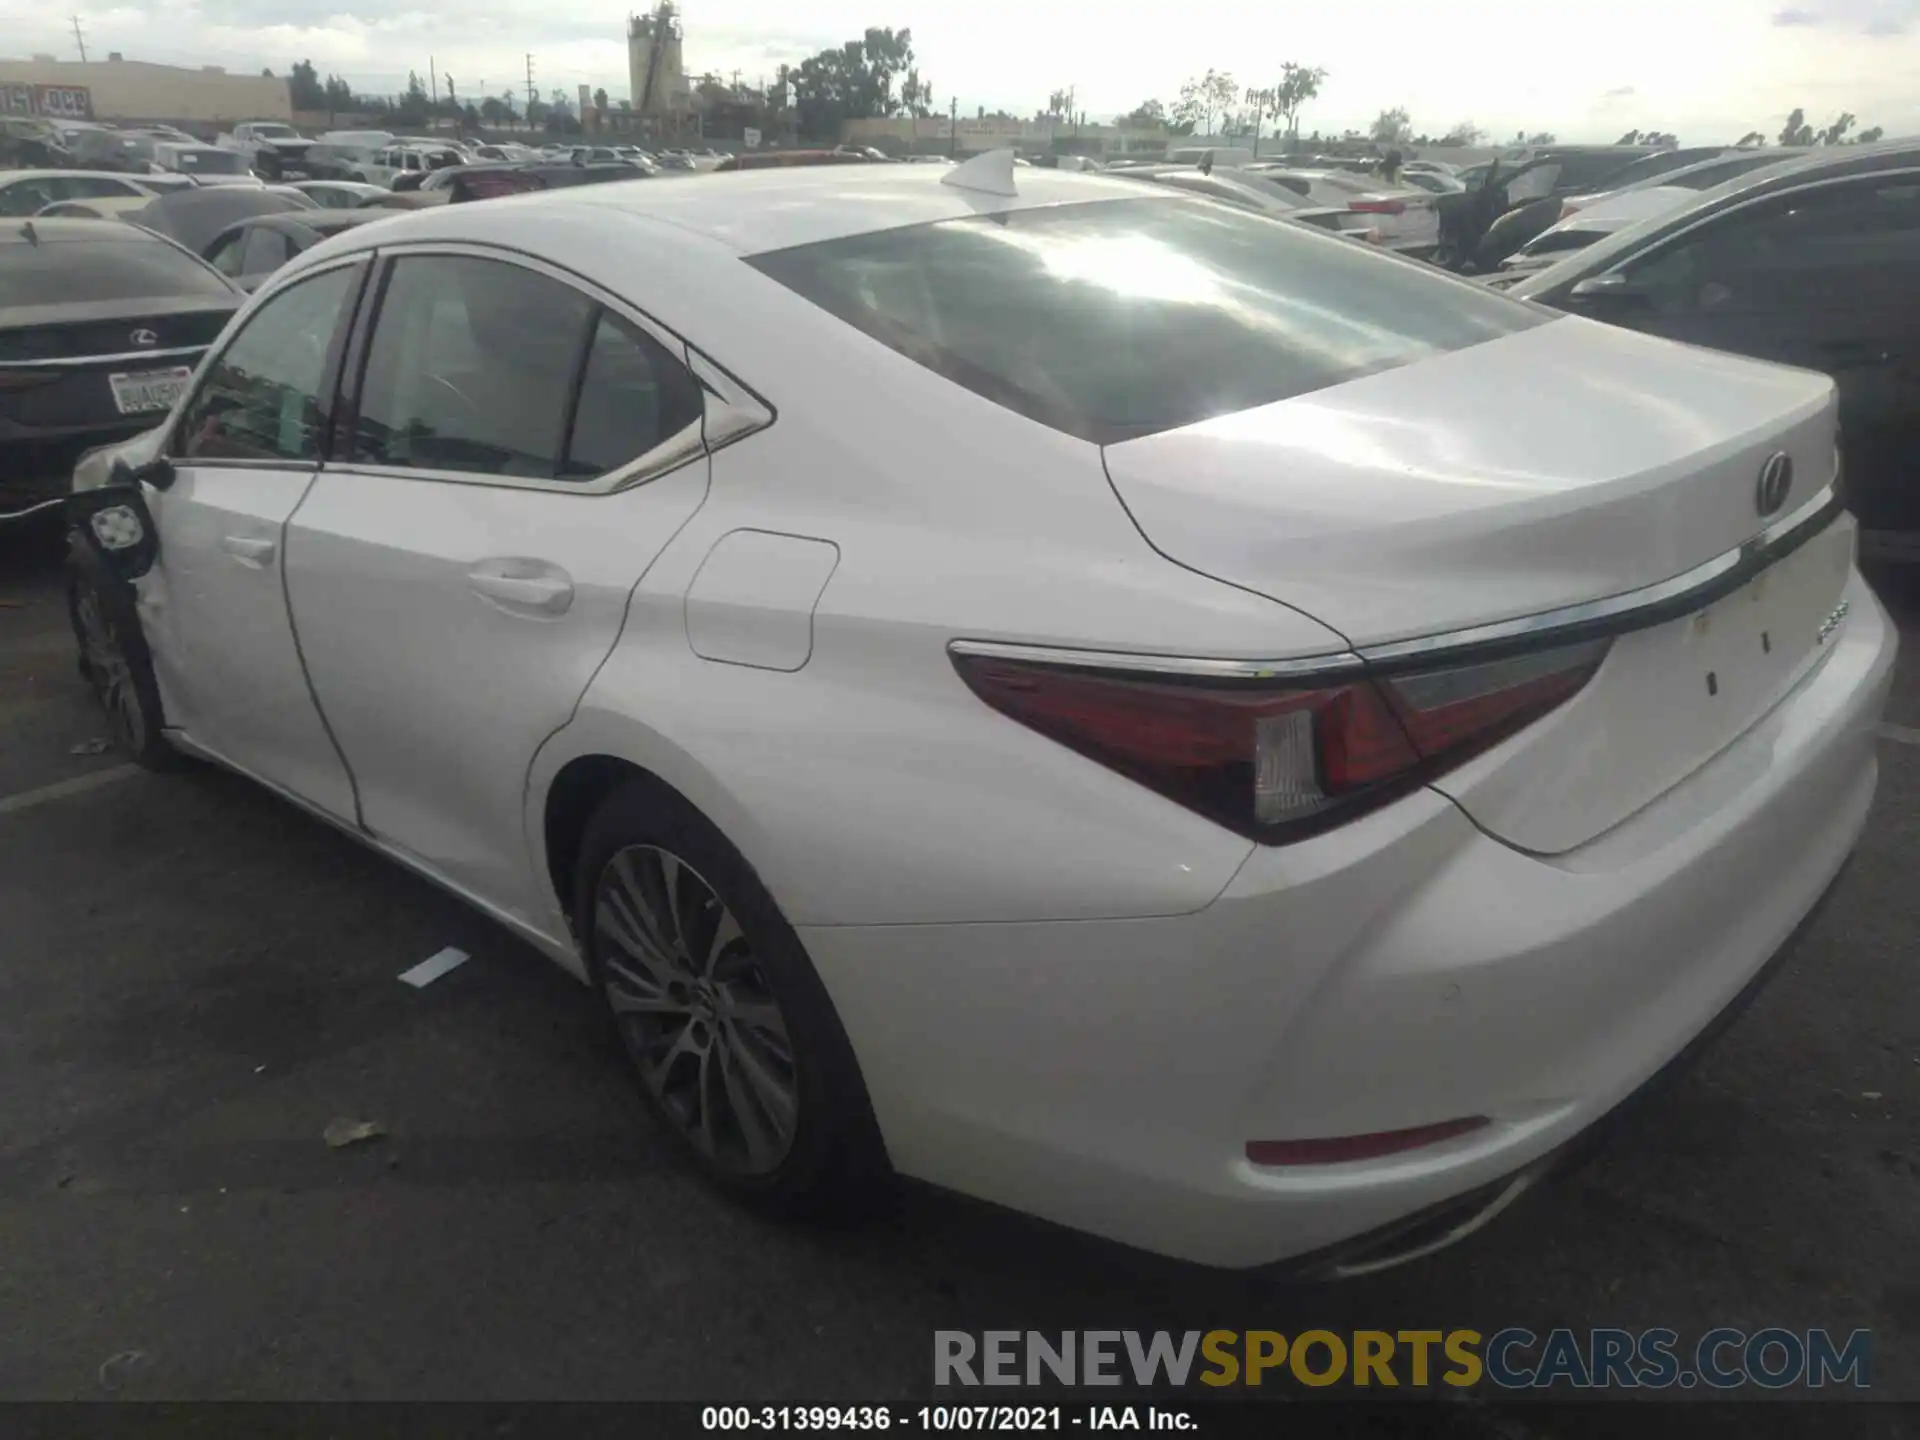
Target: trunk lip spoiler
[1613, 615]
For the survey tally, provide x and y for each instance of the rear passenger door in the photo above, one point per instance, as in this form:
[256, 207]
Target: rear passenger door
[518, 448]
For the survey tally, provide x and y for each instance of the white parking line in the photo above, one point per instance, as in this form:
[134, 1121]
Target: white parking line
[1899, 734]
[60, 790]
[434, 966]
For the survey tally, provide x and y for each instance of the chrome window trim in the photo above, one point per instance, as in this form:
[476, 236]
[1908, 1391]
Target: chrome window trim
[1614, 615]
[673, 453]
[684, 445]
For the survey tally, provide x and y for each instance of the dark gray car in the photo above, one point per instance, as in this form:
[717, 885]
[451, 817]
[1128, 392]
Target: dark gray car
[1815, 263]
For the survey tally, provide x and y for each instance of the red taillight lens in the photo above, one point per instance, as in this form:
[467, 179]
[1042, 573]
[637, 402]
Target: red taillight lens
[1380, 207]
[1339, 1149]
[1279, 761]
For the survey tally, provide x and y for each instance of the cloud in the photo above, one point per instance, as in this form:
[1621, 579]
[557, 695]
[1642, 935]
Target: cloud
[1619, 92]
[1877, 18]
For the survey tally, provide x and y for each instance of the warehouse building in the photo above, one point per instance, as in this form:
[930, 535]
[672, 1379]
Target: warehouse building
[127, 90]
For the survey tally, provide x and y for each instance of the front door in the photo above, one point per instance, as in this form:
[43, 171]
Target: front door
[522, 450]
[245, 448]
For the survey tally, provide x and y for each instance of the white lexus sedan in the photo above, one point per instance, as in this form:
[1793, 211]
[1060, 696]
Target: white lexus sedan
[1100, 700]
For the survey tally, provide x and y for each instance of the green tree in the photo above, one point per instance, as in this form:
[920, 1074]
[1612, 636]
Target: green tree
[413, 106]
[304, 88]
[859, 80]
[1467, 135]
[1752, 140]
[1836, 133]
[1869, 136]
[1391, 127]
[337, 96]
[492, 111]
[1149, 112]
[1796, 132]
[1188, 110]
[1298, 84]
[1539, 137]
[600, 100]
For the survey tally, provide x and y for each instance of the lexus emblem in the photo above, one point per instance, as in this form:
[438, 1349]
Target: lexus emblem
[1776, 481]
[144, 338]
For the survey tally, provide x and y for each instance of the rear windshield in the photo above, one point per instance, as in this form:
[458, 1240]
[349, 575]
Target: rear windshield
[1123, 318]
[71, 271]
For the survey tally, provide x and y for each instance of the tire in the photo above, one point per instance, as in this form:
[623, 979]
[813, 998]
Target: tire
[114, 658]
[716, 1040]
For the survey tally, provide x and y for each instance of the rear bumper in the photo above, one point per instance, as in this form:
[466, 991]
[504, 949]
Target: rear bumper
[1402, 971]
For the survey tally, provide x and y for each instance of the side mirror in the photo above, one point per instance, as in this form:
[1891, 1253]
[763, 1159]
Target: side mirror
[114, 522]
[1612, 288]
[156, 473]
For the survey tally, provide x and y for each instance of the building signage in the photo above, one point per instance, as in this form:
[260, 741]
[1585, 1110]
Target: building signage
[65, 102]
[750, 137]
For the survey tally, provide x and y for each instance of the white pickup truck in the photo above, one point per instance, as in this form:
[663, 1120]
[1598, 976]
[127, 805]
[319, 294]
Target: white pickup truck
[274, 149]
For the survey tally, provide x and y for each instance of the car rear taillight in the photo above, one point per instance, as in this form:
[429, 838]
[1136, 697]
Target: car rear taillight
[1380, 207]
[1279, 760]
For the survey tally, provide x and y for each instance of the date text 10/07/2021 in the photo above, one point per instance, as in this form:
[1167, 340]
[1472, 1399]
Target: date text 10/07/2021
[945, 1418]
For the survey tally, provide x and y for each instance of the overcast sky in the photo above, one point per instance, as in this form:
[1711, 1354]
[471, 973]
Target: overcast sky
[1709, 70]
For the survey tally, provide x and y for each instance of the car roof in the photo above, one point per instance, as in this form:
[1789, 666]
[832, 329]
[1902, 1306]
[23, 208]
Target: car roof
[317, 222]
[113, 204]
[9, 177]
[69, 230]
[758, 210]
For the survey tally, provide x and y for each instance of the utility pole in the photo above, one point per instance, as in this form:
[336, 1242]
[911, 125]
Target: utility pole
[533, 95]
[433, 92]
[79, 39]
[953, 128]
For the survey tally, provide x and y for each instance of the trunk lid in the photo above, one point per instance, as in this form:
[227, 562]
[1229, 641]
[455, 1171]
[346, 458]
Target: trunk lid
[1564, 464]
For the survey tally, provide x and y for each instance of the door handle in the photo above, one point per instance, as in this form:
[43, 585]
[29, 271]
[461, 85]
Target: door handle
[249, 549]
[542, 594]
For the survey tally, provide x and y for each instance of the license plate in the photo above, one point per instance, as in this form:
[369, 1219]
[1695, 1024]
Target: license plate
[139, 391]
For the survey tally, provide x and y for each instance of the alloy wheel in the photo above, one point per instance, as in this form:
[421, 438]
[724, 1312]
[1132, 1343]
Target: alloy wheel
[695, 1010]
[110, 671]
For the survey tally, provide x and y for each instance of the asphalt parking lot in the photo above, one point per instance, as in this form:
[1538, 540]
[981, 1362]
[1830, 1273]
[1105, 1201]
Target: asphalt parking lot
[195, 980]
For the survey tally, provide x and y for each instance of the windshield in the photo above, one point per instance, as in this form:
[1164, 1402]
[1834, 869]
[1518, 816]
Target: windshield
[209, 162]
[107, 268]
[275, 132]
[1122, 318]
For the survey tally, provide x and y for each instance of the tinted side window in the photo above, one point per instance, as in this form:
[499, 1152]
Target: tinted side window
[226, 253]
[633, 395]
[263, 400]
[1834, 246]
[470, 368]
[267, 250]
[82, 186]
